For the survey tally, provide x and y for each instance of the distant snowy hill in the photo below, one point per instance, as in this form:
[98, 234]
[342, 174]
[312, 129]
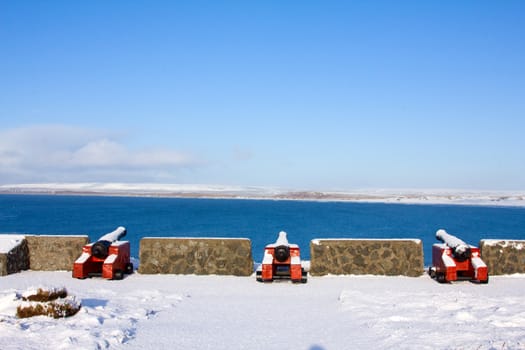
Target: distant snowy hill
[407, 196]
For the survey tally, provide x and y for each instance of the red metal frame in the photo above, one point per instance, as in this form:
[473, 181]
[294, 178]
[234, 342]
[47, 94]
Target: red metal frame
[288, 269]
[447, 269]
[111, 267]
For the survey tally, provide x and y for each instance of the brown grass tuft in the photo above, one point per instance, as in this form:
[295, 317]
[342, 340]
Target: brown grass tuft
[46, 295]
[53, 303]
[55, 309]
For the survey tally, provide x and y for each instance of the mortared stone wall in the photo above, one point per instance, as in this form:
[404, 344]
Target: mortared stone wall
[199, 256]
[389, 257]
[54, 253]
[503, 257]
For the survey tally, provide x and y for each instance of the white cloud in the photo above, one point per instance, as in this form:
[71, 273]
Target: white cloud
[100, 153]
[66, 153]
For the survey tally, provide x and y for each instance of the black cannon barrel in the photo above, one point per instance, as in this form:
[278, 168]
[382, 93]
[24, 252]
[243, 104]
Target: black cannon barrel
[115, 235]
[282, 253]
[282, 250]
[100, 248]
[460, 250]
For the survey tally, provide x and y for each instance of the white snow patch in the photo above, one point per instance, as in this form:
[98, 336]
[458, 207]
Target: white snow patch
[206, 238]
[9, 242]
[119, 243]
[516, 244]
[319, 240]
[282, 239]
[109, 317]
[34, 290]
[458, 316]
[225, 312]
[115, 235]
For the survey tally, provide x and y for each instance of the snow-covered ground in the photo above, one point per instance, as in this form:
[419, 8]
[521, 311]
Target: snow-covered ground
[226, 312]
[406, 196]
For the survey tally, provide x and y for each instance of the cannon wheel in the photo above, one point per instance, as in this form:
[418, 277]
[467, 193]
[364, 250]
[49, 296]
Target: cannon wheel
[118, 275]
[304, 275]
[303, 279]
[432, 272]
[440, 277]
[128, 269]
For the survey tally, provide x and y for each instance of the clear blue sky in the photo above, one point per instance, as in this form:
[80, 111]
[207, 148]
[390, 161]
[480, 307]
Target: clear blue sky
[293, 94]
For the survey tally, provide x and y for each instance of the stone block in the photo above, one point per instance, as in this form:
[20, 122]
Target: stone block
[389, 257]
[54, 253]
[199, 256]
[503, 256]
[14, 254]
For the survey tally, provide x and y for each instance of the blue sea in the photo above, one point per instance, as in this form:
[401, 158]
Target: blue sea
[258, 220]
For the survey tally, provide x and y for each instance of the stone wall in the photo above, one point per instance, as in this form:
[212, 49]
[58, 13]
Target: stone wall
[16, 259]
[366, 256]
[503, 256]
[54, 253]
[200, 256]
[233, 256]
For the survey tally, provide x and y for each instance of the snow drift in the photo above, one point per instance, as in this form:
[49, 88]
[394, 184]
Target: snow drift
[225, 312]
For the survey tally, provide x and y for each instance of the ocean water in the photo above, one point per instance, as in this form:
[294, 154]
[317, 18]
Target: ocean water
[258, 220]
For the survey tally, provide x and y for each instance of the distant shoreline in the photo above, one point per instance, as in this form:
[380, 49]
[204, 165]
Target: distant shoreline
[431, 197]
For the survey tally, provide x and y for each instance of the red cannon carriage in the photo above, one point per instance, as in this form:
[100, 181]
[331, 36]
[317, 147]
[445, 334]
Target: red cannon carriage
[455, 260]
[281, 261]
[108, 257]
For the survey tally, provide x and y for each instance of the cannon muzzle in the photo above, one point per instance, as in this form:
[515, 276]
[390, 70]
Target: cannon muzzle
[101, 247]
[460, 249]
[282, 249]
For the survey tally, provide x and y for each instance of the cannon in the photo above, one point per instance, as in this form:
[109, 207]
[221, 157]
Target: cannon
[456, 260]
[281, 261]
[107, 257]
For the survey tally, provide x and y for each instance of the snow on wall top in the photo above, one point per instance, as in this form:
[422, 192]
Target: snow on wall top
[8, 242]
[207, 238]
[516, 244]
[55, 236]
[317, 241]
